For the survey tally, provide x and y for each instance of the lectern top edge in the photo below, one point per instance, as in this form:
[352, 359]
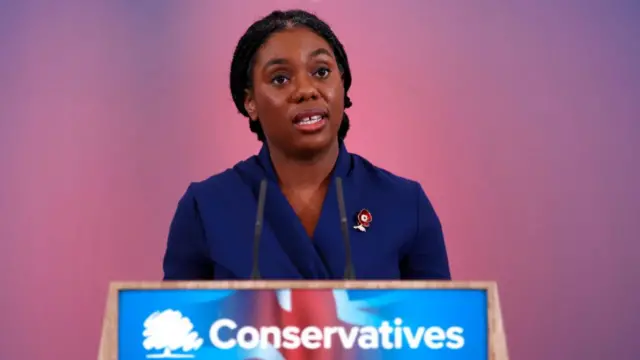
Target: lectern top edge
[303, 284]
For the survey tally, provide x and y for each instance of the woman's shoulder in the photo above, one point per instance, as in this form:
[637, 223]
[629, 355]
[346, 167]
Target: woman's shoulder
[395, 188]
[224, 183]
[383, 178]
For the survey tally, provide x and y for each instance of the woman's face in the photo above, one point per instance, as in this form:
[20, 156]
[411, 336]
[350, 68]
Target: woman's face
[298, 93]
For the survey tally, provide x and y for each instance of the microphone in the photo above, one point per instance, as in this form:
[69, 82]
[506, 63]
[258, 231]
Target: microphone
[255, 272]
[349, 272]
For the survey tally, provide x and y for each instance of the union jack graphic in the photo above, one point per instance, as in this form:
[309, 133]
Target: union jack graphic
[304, 307]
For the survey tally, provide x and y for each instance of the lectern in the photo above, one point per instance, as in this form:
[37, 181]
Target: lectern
[308, 320]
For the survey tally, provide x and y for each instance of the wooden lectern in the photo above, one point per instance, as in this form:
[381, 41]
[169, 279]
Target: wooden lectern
[353, 319]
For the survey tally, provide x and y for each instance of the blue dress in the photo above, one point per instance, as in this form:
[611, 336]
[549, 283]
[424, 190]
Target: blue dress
[211, 234]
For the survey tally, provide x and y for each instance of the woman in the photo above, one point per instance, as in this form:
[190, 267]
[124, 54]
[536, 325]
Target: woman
[290, 76]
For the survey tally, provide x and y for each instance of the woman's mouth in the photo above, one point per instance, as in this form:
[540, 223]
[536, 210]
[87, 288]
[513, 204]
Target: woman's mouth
[310, 121]
[311, 124]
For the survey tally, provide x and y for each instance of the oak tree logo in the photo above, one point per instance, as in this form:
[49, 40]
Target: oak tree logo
[171, 333]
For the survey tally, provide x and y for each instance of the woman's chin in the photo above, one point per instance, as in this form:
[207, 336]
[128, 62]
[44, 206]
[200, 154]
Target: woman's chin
[317, 143]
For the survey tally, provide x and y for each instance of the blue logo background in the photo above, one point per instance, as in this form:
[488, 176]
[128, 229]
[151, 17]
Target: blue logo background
[416, 307]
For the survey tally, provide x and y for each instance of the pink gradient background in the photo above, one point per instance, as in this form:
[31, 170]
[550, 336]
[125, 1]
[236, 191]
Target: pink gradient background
[520, 120]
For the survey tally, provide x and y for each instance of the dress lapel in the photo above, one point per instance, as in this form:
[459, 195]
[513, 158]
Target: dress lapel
[322, 257]
[328, 239]
[287, 228]
[274, 261]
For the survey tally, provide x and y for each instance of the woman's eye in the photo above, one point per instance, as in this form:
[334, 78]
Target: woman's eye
[322, 72]
[279, 80]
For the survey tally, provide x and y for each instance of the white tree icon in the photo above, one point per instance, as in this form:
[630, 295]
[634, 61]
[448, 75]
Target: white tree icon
[170, 331]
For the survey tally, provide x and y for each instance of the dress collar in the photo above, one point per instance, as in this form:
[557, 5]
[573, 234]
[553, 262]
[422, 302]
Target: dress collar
[342, 167]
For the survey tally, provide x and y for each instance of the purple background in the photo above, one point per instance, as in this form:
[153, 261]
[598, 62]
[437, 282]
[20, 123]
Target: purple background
[520, 119]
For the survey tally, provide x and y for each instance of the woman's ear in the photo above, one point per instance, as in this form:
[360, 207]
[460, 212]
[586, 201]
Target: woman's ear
[250, 105]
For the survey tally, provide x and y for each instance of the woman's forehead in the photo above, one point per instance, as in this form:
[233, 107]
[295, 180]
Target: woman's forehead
[293, 44]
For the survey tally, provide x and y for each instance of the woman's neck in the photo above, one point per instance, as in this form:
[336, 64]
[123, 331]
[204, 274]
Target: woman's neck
[300, 173]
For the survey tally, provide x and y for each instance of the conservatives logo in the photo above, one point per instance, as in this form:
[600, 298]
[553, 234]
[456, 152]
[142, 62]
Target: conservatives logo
[170, 335]
[312, 337]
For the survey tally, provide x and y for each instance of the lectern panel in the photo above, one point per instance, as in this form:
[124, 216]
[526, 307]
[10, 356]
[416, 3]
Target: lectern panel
[302, 322]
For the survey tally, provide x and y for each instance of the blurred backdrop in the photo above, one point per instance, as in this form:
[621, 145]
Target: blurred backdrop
[520, 119]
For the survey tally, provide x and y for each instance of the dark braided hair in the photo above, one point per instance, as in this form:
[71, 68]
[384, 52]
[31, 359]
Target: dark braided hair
[240, 77]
